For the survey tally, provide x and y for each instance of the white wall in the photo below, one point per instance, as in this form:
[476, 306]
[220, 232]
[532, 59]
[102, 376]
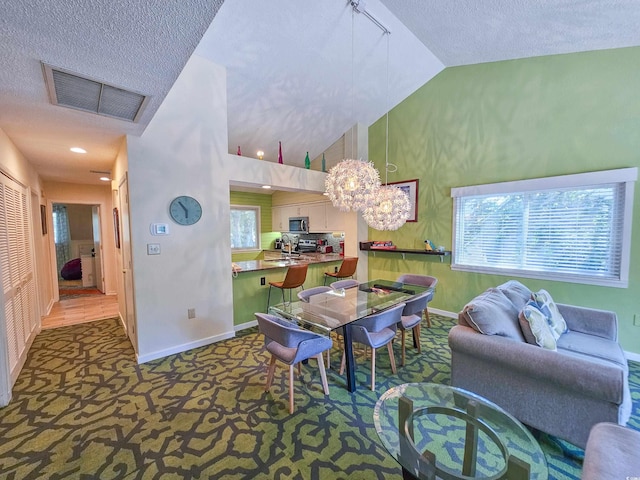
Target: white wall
[184, 152]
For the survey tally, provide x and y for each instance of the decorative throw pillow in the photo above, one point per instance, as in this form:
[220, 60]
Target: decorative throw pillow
[515, 291]
[492, 313]
[548, 307]
[535, 327]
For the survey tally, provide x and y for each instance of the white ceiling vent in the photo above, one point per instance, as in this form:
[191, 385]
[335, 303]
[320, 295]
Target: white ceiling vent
[73, 91]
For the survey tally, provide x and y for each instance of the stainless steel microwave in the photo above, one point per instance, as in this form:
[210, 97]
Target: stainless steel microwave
[298, 225]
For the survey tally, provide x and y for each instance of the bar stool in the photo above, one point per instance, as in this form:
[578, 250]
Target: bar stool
[347, 269]
[295, 277]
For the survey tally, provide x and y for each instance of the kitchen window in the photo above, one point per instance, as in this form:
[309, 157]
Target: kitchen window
[572, 228]
[245, 228]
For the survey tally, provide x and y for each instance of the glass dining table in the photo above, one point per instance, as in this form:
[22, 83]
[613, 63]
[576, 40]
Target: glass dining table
[339, 308]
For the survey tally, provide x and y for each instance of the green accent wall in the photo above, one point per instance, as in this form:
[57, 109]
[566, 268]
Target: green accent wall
[505, 121]
[267, 237]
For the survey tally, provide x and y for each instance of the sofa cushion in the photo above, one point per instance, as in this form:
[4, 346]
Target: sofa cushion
[535, 326]
[549, 307]
[492, 313]
[515, 291]
[597, 347]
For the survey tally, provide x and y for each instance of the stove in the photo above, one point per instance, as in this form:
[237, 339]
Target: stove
[305, 245]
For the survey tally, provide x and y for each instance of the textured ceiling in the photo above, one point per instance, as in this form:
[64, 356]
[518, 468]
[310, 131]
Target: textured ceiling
[289, 63]
[464, 32]
[138, 45]
[290, 68]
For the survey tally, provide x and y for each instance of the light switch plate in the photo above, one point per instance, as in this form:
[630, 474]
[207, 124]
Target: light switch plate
[153, 249]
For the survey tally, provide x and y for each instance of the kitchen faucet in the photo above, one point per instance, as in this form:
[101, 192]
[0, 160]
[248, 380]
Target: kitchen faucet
[287, 242]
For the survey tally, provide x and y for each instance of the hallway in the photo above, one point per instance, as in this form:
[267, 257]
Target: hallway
[82, 309]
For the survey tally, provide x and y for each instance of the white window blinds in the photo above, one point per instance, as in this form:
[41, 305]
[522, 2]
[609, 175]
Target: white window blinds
[573, 228]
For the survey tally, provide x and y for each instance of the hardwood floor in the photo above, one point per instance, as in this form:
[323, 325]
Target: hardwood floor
[81, 309]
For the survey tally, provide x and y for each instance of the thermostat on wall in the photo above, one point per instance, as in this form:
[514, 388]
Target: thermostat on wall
[159, 229]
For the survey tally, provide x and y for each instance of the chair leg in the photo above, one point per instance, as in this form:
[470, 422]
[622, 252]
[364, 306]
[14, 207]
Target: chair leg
[403, 332]
[270, 371]
[269, 298]
[343, 363]
[426, 315]
[290, 388]
[299, 369]
[416, 338]
[373, 368]
[391, 357]
[323, 374]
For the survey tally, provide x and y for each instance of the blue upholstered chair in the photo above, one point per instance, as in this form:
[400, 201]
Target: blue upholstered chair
[375, 331]
[349, 283]
[309, 292]
[424, 281]
[411, 318]
[290, 344]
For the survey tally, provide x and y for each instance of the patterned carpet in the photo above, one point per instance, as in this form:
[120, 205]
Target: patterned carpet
[82, 408]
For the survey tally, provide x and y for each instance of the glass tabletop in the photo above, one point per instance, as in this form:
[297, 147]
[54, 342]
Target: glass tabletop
[336, 308]
[437, 431]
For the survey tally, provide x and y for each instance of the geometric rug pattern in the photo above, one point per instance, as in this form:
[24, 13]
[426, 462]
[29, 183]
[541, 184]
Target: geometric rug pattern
[82, 408]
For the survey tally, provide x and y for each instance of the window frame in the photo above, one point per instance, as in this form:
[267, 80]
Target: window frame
[626, 176]
[258, 213]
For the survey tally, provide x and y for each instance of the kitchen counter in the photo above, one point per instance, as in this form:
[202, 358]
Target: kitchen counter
[304, 258]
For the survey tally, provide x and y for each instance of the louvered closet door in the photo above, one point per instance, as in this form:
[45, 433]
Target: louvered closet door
[16, 267]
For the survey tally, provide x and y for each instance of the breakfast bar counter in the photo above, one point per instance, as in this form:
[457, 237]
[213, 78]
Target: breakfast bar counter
[251, 284]
[308, 258]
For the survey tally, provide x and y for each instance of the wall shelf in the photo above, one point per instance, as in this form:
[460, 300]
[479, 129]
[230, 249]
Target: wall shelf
[404, 251]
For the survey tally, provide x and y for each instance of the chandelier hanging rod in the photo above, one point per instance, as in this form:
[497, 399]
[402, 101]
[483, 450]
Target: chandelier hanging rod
[359, 6]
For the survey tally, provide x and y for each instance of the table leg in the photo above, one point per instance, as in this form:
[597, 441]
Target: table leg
[349, 360]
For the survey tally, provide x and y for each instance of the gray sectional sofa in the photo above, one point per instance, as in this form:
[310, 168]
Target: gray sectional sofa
[563, 392]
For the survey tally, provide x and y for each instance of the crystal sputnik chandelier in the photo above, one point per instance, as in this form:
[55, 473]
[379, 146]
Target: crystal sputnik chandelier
[352, 184]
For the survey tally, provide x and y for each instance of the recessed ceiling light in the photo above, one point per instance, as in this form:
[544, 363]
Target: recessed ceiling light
[105, 179]
[78, 150]
[266, 186]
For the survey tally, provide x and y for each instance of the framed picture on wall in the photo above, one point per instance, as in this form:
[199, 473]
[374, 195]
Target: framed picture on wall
[116, 226]
[43, 218]
[410, 187]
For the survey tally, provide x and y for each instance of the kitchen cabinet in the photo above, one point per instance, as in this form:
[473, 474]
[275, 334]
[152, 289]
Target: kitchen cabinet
[335, 219]
[323, 216]
[276, 219]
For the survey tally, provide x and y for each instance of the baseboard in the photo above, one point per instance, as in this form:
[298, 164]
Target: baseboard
[184, 347]
[635, 357]
[244, 326]
[444, 313]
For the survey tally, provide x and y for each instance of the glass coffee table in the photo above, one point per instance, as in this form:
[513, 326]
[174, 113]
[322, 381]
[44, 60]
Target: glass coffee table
[437, 431]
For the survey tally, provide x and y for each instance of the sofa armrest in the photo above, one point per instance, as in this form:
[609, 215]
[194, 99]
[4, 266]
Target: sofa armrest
[601, 323]
[591, 378]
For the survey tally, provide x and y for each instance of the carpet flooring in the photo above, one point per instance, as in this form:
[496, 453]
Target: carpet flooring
[82, 408]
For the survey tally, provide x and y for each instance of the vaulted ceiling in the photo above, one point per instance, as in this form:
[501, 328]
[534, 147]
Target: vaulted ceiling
[298, 72]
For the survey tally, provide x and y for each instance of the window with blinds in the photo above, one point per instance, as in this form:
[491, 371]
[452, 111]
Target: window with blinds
[574, 228]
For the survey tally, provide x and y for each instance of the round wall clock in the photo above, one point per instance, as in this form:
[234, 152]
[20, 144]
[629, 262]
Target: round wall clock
[185, 210]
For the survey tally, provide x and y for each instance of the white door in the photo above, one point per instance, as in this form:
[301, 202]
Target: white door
[97, 248]
[127, 274]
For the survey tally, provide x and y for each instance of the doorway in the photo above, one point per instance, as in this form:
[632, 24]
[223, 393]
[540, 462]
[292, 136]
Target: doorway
[77, 243]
